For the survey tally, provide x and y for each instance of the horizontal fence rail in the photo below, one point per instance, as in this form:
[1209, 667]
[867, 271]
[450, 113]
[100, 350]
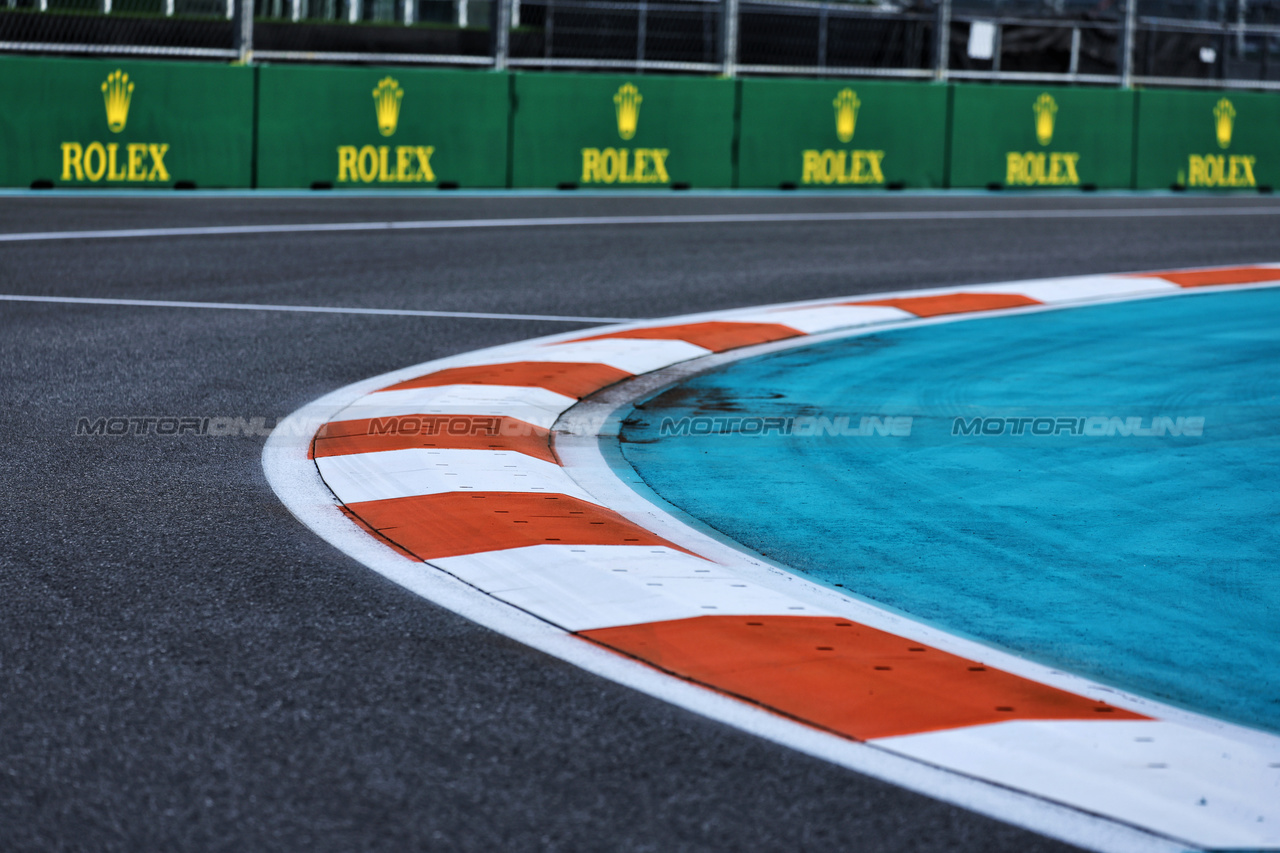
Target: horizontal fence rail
[1229, 44]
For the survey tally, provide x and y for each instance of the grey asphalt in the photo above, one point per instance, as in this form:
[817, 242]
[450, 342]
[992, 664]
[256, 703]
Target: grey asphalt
[184, 666]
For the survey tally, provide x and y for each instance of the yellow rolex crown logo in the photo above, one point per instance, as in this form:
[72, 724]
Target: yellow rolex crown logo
[627, 105]
[1225, 118]
[117, 91]
[1046, 108]
[846, 104]
[386, 102]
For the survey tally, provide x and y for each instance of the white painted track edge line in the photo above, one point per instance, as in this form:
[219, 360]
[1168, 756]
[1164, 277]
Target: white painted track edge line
[308, 309]
[672, 219]
[728, 313]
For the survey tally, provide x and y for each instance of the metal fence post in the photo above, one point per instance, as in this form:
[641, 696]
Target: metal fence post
[1224, 49]
[942, 49]
[642, 29]
[824, 30]
[549, 29]
[1130, 35]
[500, 32]
[729, 39]
[1241, 15]
[242, 29]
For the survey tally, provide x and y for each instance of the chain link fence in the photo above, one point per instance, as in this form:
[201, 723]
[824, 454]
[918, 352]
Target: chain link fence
[1225, 43]
[455, 32]
[1207, 42]
[678, 36]
[808, 37]
[195, 28]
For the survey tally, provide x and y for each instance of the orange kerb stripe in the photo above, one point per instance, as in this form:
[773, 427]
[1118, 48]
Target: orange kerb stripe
[569, 378]
[455, 523]
[453, 432]
[845, 677]
[715, 336]
[954, 303]
[1208, 278]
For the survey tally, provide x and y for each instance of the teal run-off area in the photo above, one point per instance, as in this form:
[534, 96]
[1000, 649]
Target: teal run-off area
[1148, 562]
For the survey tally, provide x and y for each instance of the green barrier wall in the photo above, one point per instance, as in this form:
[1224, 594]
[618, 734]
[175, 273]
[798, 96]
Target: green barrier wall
[1207, 140]
[138, 124]
[124, 123]
[606, 131]
[381, 127]
[841, 134]
[1041, 137]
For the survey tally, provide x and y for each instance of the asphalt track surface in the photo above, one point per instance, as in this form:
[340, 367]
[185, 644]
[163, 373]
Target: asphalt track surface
[184, 666]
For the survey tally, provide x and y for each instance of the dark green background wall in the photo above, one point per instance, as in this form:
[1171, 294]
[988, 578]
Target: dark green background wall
[782, 119]
[216, 126]
[203, 113]
[1175, 128]
[558, 115]
[306, 114]
[988, 123]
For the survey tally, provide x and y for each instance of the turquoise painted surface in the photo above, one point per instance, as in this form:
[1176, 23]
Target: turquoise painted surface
[1148, 562]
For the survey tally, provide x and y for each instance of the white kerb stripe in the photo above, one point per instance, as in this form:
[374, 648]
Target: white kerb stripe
[1085, 288]
[583, 587]
[631, 355]
[423, 471]
[1194, 785]
[826, 318]
[537, 406]
[634, 355]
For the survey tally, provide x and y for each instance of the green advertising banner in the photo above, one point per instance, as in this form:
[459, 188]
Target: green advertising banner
[841, 134]
[1041, 137]
[124, 123]
[1208, 140]
[607, 131]
[381, 128]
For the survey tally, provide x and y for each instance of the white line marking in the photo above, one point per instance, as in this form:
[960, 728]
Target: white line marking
[671, 219]
[308, 309]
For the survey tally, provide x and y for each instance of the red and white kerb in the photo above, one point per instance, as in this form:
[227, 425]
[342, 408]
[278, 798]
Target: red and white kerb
[457, 468]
